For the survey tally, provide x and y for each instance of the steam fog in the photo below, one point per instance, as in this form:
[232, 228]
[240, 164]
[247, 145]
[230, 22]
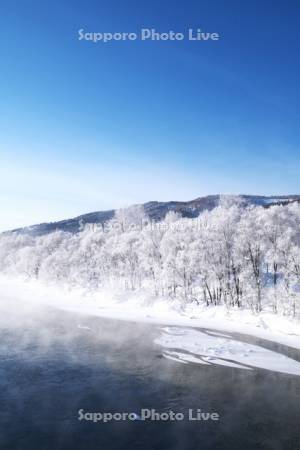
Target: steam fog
[54, 363]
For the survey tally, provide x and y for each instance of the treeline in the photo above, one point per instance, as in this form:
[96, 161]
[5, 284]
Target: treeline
[234, 255]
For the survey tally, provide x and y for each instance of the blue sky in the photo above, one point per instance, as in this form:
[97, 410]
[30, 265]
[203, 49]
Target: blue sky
[89, 126]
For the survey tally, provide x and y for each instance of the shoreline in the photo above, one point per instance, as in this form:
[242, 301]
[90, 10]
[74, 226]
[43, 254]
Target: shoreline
[139, 308]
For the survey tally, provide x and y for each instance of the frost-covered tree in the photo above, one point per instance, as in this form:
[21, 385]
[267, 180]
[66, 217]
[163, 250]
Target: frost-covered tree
[234, 255]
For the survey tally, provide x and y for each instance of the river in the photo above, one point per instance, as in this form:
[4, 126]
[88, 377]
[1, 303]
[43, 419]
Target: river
[54, 364]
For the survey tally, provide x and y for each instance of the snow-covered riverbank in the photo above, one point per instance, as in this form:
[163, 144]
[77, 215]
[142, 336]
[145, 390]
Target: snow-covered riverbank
[189, 345]
[267, 326]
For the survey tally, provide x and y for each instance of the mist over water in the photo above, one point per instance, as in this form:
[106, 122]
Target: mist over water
[54, 363]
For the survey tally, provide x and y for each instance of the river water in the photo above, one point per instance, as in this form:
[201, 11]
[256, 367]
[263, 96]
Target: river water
[53, 364]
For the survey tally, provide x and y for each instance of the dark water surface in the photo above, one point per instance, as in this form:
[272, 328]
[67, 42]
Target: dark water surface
[51, 367]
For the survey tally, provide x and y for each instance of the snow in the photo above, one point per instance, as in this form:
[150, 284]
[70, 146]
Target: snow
[214, 346]
[230, 256]
[200, 347]
[83, 327]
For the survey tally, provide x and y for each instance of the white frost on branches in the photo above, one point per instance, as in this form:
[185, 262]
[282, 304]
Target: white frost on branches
[234, 255]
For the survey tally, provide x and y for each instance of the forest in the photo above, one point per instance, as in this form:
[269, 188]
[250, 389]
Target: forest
[234, 255]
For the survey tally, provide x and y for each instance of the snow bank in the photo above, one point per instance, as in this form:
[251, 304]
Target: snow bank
[138, 308]
[208, 348]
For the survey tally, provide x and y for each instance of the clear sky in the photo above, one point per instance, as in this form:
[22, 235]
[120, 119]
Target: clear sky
[89, 126]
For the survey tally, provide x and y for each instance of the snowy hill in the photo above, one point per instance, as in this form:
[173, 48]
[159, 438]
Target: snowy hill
[155, 210]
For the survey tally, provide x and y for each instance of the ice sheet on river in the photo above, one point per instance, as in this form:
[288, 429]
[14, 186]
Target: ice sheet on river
[190, 345]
